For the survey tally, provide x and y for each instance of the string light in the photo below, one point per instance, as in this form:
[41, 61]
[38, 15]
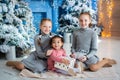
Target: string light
[104, 16]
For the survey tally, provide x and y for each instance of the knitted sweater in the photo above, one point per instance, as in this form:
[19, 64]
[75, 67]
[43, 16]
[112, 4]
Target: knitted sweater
[84, 42]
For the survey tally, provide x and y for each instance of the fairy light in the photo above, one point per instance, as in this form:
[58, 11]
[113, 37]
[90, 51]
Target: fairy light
[104, 16]
[100, 14]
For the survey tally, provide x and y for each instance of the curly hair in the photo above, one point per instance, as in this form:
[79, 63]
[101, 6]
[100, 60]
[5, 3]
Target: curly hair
[56, 36]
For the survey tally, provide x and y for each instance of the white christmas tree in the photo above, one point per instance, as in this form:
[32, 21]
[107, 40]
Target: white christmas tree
[16, 25]
[72, 8]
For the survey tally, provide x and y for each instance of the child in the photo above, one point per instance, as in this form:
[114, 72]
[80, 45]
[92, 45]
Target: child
[58, 54]
[37, 60]
[84, 46]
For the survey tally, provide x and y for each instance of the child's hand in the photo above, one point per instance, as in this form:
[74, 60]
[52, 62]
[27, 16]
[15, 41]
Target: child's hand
[49, 52]
[83, 59]
[65, 61]
[72, 55]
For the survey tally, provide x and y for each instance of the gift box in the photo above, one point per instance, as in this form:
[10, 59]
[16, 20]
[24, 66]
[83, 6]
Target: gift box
[63, 66]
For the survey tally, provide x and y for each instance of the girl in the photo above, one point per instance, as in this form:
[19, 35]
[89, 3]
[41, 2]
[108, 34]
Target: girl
[58, 54]
[84, 46]
[37, 60]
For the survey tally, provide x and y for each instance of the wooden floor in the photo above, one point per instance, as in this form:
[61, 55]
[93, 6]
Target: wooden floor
[115, 29]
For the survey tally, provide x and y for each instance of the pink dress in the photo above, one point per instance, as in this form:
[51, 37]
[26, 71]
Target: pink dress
[56, 55]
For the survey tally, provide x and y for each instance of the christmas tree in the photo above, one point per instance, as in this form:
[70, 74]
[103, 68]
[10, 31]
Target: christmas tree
[71, 9]
[16, 25]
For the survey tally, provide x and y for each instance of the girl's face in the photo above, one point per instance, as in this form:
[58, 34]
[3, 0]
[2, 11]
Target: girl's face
[84, 20]
[57, 43]
[46, 27]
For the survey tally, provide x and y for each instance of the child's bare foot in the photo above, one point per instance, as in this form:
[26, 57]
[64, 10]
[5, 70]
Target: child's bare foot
[27, 73]
[107, 65]
[15, 64]
[79, 65]
[110, 61]
[12, 63]
[71, 72]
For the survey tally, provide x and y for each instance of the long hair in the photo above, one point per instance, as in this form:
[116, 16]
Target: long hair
[86, 13]
[42, 22]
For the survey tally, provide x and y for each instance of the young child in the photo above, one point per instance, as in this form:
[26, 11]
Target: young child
[37, 60]
[84, 46]
[58, 54]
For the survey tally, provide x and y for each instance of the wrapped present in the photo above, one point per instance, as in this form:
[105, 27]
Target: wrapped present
[63, 66]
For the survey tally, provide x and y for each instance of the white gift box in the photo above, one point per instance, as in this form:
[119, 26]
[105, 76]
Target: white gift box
[63, 66]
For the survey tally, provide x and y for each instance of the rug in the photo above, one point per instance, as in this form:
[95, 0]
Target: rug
[102, 73]
[9, 73]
